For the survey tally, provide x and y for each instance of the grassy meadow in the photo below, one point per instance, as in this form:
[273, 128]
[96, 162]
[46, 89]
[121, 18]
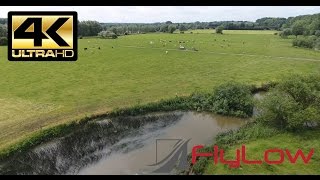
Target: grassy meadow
[255, 151]
[136, 69]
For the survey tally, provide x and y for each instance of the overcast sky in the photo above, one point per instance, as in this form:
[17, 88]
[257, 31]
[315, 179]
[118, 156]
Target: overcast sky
[150, 14]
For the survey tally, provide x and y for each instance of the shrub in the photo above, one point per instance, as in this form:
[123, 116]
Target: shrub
[275, 108]
[107, 34]
[3, 41]
[114, 36]
[317, 33]
[275, 33]
[80, 37]
[303, 42]
[292, 104]
[306, 32]
[232, 99]
[285, 33]
[181, 32]
[219, 29]
[317, 44]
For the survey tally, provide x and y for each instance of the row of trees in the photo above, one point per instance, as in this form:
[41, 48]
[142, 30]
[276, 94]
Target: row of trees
[302, 25]
[310, 22]
[169, 27]
[3, 20]
[89, 28]
[307, 27]
[85, 27]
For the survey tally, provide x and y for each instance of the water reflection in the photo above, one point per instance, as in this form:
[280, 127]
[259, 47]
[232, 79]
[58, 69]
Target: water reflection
[123, 145]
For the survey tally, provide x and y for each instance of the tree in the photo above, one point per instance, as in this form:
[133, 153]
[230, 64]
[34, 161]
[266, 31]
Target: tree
[107, 34]
[120, 30]
[317, 44]
[182, 27]
[314, 26]
[3, 41]
[3, 21]
[232, 99]
[219, 29]
[113, 29]
[285, 33]
[317, 33]
[298, 28]
[292, 104]
[164, 28]
[171, 28]
[3, 30]
[89, 28]
[168, 22]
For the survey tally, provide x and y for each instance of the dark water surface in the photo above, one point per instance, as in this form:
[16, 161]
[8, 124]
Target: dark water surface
[122, 145]
[140, 150]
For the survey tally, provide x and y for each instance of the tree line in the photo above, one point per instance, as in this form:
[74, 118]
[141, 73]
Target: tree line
[310, 24]
[92, 28]
[305, 28]
[3, 31]
[306, 25]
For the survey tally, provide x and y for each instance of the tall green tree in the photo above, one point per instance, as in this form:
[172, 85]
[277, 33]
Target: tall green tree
[171, 28]
[298, 28]
[3, 30]
[182, 27]
[89, 28]
[164, 28]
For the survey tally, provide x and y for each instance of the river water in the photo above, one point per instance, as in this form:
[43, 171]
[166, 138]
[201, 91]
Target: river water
[121, 145]
[200, 128]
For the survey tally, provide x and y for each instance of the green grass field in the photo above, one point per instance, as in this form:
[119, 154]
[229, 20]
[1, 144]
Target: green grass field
[36, 95]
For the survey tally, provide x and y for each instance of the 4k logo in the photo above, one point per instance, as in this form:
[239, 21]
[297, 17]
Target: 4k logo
[42, 36]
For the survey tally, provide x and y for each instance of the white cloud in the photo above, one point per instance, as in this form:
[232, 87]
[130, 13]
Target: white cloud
[149, 14]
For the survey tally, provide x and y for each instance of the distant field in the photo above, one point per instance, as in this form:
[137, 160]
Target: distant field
[34, 95]
[206, 31]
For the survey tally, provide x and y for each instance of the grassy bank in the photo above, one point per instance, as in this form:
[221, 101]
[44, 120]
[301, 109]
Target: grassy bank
[258, 138]
[196, 102]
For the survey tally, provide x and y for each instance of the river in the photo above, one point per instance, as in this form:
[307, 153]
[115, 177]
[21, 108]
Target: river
[122, 145]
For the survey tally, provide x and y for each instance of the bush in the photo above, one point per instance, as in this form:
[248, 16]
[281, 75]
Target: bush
[285, 33]
[292, 104]
[3, 41]
[317, 33]
[303, 42]
[181, 32]
[306, 32]
[275, 33]
[80, 37]
[107, 35]
[219, 29]
[114, 36]
[317, 44]
[232, 99]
